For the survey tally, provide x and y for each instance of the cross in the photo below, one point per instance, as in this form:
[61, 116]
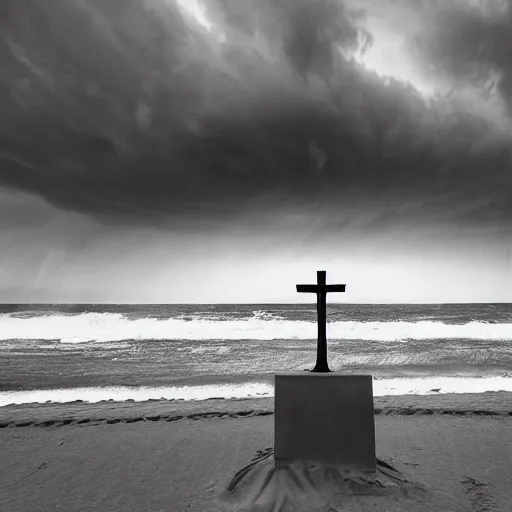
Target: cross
[321, 289]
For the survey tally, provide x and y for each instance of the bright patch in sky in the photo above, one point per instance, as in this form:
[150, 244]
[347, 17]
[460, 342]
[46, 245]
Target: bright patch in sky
[197, 11]
[387, 58]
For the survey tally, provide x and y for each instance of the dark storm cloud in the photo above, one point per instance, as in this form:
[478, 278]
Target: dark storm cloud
[472, 45]
[133, 110]
[312, 30]
[19, 211]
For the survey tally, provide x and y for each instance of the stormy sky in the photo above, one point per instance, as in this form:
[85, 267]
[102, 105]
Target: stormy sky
[224, 150]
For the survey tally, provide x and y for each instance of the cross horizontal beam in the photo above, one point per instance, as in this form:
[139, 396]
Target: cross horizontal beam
[320, 288]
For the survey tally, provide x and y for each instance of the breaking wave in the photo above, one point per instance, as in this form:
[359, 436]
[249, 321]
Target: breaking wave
[383, 387]
[111, 327]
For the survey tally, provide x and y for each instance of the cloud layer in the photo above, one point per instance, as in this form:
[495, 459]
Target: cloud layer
[174, 112]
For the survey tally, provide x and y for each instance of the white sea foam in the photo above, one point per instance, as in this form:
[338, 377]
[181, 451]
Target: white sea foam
[381, 387]
[427, 385]
[108, 327]
[139, 394]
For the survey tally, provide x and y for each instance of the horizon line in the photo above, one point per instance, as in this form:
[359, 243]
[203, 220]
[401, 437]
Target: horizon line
[242, 303]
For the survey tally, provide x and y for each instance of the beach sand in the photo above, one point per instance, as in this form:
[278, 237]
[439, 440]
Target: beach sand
[455, 450]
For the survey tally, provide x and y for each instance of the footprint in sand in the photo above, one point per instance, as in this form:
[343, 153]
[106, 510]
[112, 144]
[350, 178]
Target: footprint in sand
[480, 495]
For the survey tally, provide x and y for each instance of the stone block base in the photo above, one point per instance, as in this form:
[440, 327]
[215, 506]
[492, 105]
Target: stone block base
[325, 417]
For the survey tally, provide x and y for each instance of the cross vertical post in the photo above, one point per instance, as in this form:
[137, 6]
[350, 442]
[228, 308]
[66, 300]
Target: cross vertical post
[321, 289]
[321, 309]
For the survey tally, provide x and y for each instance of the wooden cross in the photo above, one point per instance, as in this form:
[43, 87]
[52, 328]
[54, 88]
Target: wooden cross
[321, 289]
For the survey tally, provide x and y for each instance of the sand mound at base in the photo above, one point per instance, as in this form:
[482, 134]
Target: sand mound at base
[306, 487]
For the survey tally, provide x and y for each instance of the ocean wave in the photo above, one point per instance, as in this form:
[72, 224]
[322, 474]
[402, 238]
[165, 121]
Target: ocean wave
[381, 387]
[111, 327]
[139, 394]
[258, 314]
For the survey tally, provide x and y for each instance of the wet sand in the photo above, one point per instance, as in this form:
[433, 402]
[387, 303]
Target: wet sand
[177, 456]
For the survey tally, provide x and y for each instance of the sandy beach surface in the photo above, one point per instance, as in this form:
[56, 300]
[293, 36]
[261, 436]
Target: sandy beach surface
[455, 450]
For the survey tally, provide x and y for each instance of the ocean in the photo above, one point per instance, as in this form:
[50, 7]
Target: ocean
[63, 353]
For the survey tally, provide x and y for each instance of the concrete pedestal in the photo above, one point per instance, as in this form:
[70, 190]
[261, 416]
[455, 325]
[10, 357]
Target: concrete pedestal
[325, 417]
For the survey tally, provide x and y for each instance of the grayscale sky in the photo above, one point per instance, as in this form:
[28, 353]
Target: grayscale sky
[224, 150]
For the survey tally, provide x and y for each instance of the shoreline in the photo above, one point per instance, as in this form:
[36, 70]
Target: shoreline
[498, 404]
